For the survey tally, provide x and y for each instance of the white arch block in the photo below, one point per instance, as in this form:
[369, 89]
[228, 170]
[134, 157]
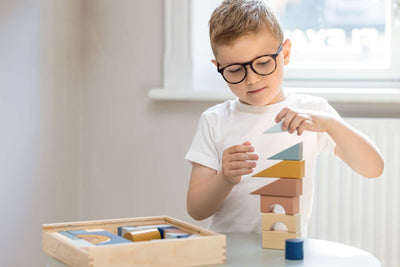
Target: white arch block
[292, 222]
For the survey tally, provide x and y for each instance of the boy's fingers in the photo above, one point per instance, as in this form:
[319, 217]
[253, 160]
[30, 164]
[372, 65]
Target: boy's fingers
[241, 157]
[252, 156]
[295, 123]
[305, 125]
[237, 165]
[239, 149]
[281, 114]
[288, 119]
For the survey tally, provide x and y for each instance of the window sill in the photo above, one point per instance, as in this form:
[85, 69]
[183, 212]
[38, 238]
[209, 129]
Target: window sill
[337, 95]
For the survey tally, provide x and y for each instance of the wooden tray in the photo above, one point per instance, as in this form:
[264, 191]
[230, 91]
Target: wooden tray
[209, 248]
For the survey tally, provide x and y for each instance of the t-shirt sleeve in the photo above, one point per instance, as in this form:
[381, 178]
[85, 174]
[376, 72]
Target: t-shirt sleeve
[203, 149]
[325, 142]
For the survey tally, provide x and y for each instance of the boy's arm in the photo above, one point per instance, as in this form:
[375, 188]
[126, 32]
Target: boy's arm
[355, 149]
[351, 146]
[209, 188]
[206, 193]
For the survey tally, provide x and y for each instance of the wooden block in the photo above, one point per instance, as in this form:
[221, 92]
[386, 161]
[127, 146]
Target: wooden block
[65, 237]
[143, 235]
[282, 187]
[176, 231]
[125, 229]
[292, 222]
[276, 239]
[69, 235]
[277, 128]
[294, 249]
[163, 229]
[284, 169]
[292, 153]
[98, 237]
[290, 204]
[80, 231]
[176, 235]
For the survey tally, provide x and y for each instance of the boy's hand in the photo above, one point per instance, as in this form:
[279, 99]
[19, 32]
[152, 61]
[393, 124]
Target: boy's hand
[235, 162]
[304, 120]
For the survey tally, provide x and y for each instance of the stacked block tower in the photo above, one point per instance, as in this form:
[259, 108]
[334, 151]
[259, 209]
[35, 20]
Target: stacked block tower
[286, 192]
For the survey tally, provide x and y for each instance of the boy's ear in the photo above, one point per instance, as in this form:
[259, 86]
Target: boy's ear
[286, 48]
[213, 61]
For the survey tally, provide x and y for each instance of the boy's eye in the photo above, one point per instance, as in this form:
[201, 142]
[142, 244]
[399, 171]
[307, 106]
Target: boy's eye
[262, 63]
[234, 69]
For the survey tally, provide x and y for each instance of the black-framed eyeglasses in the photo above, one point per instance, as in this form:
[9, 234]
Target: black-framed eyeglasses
[263, 65]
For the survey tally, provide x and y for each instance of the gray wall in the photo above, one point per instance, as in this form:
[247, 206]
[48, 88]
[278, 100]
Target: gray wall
[80, 139]
[39, 87]
[132, 148]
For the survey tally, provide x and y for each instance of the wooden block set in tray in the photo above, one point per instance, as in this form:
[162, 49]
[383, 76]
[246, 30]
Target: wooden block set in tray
[156, 241]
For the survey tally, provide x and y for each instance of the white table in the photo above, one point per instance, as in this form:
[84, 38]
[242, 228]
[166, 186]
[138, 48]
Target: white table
[244, 249]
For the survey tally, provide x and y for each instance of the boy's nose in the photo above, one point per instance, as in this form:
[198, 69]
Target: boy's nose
[252, 77]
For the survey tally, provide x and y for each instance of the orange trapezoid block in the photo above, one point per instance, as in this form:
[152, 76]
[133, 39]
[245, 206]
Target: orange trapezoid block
[284, 169]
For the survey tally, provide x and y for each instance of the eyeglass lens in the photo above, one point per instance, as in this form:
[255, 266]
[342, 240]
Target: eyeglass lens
[236, 73]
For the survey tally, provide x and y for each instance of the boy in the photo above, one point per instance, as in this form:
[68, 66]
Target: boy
[250, 53]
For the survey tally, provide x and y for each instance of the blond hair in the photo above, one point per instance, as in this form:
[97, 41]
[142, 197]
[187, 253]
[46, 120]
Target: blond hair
[236, 18]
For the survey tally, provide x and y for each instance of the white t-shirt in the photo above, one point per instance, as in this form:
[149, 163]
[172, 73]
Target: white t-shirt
[233, 123]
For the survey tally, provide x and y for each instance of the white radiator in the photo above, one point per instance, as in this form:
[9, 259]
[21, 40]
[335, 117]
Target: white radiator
[358, 211]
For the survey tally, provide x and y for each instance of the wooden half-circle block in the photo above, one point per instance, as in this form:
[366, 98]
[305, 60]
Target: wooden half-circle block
[292, 222]
[94, 239]
[290, 204]
[284, 169]
[282, 187]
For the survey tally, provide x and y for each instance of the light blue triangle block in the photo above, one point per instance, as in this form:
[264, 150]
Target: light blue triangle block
[277, 128]
[292, 153]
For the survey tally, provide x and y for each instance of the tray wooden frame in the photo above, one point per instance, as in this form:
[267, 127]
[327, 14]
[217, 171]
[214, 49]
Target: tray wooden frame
[207, 249]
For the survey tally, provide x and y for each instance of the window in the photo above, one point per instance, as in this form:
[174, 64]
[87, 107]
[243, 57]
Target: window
[335, 43]
[346, 40]
[341, 39]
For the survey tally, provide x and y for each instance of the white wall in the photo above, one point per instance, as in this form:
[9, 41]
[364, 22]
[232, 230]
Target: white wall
[79, 137]
[39, 87]
[132, 147]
